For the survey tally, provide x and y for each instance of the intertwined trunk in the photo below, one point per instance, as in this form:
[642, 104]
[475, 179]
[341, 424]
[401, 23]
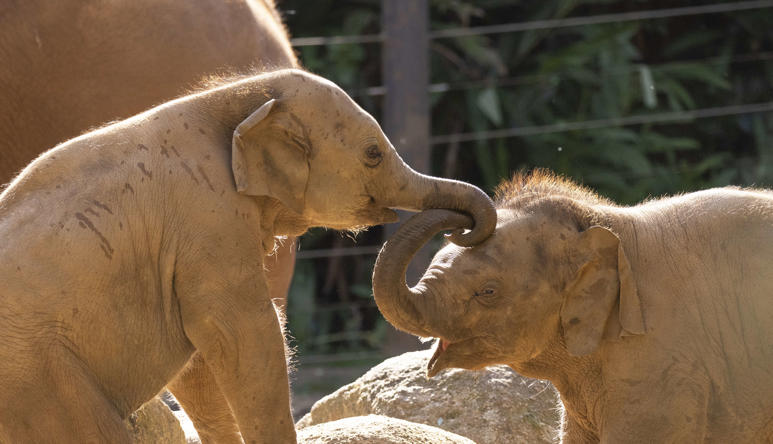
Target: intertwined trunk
[410, 190]
[402, 306]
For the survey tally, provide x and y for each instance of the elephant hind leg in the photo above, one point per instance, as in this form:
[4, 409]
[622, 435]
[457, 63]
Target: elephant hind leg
[61, 405]
[200, 396]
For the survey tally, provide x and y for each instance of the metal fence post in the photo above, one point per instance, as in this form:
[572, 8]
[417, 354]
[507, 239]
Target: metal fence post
[405, 72]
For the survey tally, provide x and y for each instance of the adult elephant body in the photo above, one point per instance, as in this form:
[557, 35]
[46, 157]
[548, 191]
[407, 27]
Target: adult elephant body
[654, 322]
[70, 65]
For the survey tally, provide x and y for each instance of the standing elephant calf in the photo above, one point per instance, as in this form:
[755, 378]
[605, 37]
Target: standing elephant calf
[125, 251]
[654, 322]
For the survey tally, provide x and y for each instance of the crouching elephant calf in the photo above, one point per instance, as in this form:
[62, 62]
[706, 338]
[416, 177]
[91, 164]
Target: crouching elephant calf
[654, 322]
[126, 250]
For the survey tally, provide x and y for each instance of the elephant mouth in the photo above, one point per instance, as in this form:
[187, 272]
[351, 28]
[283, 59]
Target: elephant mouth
[441, 346]
[389, 216]
[439, 360]
[466, 354]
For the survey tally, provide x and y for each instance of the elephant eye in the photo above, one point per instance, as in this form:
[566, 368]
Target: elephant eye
[486, 292]
[487, 295]
[373, 156]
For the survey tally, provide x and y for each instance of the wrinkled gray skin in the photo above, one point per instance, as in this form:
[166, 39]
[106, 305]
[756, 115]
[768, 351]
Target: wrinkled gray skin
[127, 250]
[654, 322]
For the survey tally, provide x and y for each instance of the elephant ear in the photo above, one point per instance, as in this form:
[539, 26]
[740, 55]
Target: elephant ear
[603, 281]
[270, 156]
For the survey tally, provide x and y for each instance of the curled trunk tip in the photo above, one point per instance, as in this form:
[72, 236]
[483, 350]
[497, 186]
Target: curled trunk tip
[465, 198]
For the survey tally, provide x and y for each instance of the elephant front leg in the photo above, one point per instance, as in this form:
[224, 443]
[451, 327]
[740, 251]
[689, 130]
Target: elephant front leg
[195, 387]
[236, 330]
[203, 401]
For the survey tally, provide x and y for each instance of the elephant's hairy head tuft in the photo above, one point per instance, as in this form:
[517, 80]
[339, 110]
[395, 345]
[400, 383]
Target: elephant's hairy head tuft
[526, 187]
[556, 196]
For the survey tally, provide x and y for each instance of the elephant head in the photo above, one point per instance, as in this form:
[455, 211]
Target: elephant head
[314, 150]
[539, 286]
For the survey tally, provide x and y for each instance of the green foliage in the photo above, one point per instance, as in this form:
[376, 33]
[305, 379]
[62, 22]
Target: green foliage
[604, 72]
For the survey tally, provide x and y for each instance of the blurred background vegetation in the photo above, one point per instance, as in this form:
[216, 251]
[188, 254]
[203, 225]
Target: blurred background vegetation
[542, 82]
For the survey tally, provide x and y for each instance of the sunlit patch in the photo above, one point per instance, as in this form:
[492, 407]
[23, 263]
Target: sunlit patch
[505, 216]
[353, 232]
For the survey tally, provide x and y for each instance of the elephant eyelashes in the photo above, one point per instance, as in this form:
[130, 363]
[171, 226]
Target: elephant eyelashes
[373, 156]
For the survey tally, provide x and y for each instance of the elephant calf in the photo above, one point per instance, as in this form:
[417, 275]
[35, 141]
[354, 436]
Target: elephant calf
[125, 251]
[654, 322]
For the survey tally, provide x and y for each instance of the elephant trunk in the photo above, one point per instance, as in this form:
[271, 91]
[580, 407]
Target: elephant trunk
[402, 306]
[428, 192]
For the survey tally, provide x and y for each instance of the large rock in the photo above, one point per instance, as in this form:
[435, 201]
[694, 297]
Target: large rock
[493, 406]
[154, 423]
[374, 429]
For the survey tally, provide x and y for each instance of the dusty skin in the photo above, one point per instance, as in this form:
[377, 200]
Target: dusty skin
[128, 249]
[79, 64]
[654, 322]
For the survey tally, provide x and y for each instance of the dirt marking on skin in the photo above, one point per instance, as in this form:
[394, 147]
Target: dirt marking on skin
[206, 179]
[141, 166]
[189, 171]
[128, 187]
[102, 206]
[85, 222]
[174, 150]
[142, 147]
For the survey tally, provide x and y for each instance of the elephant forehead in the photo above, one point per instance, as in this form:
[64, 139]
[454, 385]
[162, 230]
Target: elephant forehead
[462, 258]
[506, 216]
[336, 118]
[446, 255]
[320, 94]
[514, 223]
